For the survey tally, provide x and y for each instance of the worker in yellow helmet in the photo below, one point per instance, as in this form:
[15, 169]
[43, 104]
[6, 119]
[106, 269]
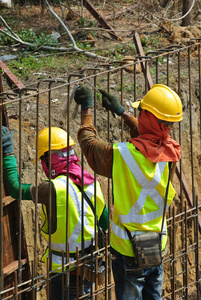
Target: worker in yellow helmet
[140, 170]
[59, 154]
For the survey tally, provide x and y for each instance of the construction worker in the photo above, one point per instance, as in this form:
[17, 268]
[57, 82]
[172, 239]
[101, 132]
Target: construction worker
[140, 170]
[59, 153]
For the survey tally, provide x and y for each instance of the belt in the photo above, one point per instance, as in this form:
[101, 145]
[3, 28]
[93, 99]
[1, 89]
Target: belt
[73, 255]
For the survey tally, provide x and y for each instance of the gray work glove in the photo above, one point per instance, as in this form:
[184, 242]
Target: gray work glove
[84, 96]
[111, 103]
[7, 142]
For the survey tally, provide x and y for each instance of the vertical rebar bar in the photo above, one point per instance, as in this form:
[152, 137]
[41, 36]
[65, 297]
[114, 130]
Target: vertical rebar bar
[191, 124]
[107, 281]
[49, 177]
[1, 200]
[36, 185]
[121, 99]
[198, 284]
[62, 277]
[48, 279]
[156, 69]
[199, 66]
[186, 254]
[20, 195]
[173, 254]
[180, 166]
[15, 292]
[146, 83]
[134, 89]
[167, 69]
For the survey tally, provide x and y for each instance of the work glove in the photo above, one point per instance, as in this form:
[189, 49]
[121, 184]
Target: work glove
[111, 103]
[84, 96]
[7, 142]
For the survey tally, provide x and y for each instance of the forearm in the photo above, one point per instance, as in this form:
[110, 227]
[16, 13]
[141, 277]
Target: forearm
[44, 190]
[131, 122]
[172, 171]
[11, 178]
[98, 153]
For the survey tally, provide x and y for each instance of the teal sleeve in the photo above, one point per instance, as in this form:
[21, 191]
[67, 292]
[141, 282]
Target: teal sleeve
[103, 221]
[11, 178]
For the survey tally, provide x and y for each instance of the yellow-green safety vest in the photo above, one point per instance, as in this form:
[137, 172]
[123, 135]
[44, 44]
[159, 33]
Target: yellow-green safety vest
[139, 187]
[58, 238]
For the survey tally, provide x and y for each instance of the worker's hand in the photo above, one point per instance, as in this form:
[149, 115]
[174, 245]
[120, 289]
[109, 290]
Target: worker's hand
[7, 142]
[111, 103]
[84, 96]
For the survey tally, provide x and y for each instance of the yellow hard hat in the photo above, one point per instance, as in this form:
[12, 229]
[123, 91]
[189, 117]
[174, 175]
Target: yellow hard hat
[162, 102]
[58, 140]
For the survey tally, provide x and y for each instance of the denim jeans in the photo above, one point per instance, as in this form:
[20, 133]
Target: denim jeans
[132, 283]
[56, 288]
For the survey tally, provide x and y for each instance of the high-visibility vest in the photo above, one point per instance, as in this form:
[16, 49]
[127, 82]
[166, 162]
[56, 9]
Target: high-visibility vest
[58, 238]
[139, 187]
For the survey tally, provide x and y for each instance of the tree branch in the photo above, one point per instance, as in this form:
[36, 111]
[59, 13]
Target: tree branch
[75, 48]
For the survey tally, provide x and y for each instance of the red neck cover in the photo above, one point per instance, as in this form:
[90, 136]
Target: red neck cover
[154, 141]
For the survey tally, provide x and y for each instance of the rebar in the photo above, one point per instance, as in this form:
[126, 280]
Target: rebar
[183, 249]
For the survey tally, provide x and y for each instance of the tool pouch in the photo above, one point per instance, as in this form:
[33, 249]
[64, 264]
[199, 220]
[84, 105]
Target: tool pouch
[147, 249]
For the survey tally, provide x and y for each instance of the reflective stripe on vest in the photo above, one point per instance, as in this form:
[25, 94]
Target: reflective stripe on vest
[58, 238]
[138, 187]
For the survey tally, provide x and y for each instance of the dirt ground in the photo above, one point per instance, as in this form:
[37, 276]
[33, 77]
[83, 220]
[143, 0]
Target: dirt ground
[30, 17]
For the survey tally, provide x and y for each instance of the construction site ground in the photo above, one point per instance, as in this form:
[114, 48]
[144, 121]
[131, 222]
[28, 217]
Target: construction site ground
[170, 34]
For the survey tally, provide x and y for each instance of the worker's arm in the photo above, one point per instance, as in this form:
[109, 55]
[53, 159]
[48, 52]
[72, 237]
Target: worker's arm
[11, 176]
[97, 152]
[131, 122]
[10, 171]
[44, 198]
[172, 171]
[112, 103]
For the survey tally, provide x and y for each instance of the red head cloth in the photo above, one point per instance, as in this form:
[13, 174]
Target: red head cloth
[154, 140]
[59, 167]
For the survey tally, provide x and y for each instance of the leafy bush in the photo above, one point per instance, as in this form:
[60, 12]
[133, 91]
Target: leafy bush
[28, 35]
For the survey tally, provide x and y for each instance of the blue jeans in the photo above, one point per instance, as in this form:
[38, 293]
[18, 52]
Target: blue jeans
[56, 288]
[132, 283]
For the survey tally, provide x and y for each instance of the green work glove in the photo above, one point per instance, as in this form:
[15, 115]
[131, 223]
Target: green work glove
[111, 103]
[84, 96]
[7, 142]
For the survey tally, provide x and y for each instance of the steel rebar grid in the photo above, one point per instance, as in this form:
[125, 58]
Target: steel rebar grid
[185, 253]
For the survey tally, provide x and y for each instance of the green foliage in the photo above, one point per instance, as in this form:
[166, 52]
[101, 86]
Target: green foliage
[91, 23]
[29, 36]
[145, 41]
[83, 46]
[127, 86]
[5, 40]
[29, 64]
[83, 23]
[122, 50]
[152, 42]
[83, 34]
